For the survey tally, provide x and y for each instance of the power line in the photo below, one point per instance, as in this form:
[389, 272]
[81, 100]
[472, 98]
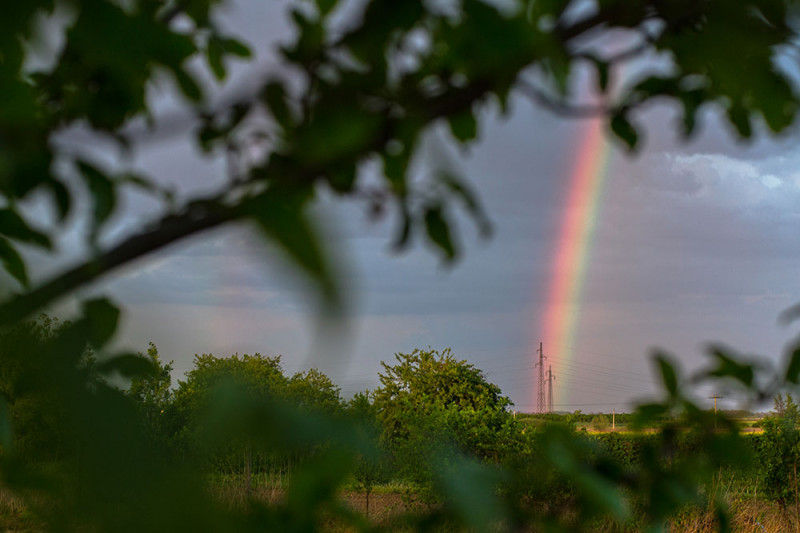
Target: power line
[595, 367]
[593, 382]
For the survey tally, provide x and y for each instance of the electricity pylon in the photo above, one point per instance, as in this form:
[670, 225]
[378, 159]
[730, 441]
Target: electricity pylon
[550, 378]
[541, 405]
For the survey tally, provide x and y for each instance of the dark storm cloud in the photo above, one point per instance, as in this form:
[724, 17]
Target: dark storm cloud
[695, 242]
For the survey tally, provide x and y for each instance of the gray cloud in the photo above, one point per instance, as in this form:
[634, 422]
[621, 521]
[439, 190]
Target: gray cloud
[695, 242]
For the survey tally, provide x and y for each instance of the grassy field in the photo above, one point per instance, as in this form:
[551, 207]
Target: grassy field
[387, 503]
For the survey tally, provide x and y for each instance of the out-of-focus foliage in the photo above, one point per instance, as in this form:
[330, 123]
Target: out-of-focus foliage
[242, 418]
[34, 408]
[354, 85]
[152, 393]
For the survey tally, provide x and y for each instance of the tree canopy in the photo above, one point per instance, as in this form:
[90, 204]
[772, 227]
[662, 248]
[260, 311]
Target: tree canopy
[430, 378]
[431, 403]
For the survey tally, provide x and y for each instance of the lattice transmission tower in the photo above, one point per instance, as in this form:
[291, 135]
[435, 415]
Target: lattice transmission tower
[541, 404]
[550, 378]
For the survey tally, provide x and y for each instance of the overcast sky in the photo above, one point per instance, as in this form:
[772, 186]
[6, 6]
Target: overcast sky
[695, 242]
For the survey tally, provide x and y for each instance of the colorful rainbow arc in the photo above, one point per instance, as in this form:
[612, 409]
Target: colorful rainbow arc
[573, 247]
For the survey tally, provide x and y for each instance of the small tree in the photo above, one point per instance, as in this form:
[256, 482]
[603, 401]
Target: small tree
[599, 423]
[791, 412]
[255, 377]
[370, 468]
[430, 403]
[780, 453]
[780, 406]
[314, 390]
[153, 393]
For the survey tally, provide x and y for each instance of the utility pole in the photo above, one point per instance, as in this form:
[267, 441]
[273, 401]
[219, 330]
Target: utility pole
[550, 378]
[540, 397]
[613, 419]
[715, 398]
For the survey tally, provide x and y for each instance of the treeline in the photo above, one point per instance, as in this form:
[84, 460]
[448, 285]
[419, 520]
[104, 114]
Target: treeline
[85, 452]
[429, 406]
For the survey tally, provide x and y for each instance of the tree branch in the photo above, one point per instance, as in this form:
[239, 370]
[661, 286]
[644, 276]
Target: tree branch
[197, 216]
[205, 214]
[559, 106]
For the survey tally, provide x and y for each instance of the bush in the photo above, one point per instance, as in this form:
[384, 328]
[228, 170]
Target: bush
[599, 423]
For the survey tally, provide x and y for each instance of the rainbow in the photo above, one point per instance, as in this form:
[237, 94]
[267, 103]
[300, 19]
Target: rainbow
[573, 247]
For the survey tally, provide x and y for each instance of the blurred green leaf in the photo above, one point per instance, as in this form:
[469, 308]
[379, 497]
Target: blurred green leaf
[103, 192]
[789, 314]
[668, 376]
[602, 74]
[61, 197]
[13, 226]
[102, 317]
[13, 262]
[403, 234]
[792, 374]
[469, 487]
[326, 6]
[624, 130]
[470, 199]
[438, 229]
[599, 494]
[729, 367]
[464, 126]
[127, 365]
[274, 96]
[188, 85]
[215, 55]
[649, 413]
[283, 219]
[740, 118]
[236, 48]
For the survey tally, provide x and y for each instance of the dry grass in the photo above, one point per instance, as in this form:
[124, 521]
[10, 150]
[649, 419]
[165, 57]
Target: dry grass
[380, 507]
[750, 515]
[15, 515]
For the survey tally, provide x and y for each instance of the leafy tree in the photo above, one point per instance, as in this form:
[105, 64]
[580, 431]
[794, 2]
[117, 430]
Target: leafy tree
[599, 423]
[780, 405]
[429, 377]
[779, 455]
[314, 390]
[791, 412]
[152, 392]
[257, 377]
[429, 401]
[32, 410]
[254, 380]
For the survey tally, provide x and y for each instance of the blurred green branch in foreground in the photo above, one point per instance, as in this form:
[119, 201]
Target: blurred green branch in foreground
[84, 455]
